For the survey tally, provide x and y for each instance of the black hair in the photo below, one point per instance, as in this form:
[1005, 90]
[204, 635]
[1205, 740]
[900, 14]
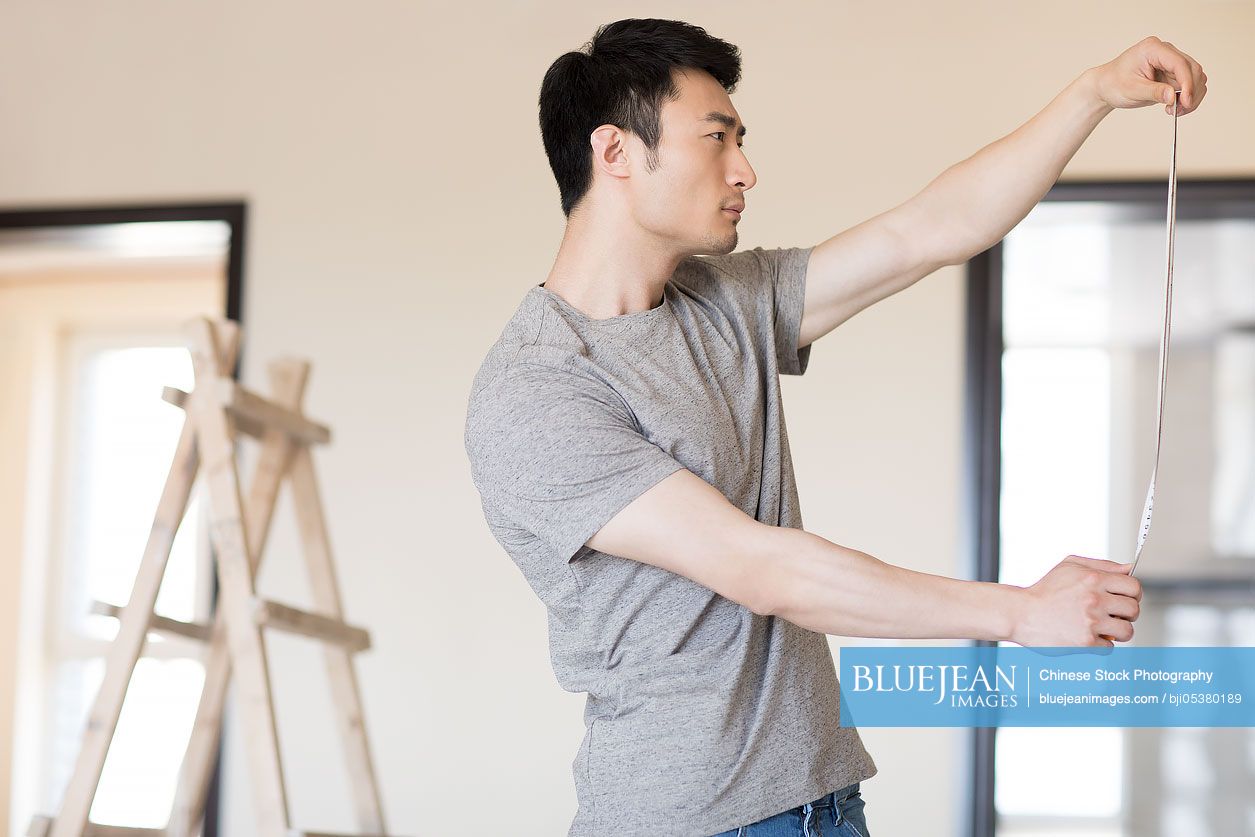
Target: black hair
[621, 77]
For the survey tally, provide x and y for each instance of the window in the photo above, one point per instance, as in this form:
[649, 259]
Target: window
[91, 301]
[119, 439]
[1064, 330]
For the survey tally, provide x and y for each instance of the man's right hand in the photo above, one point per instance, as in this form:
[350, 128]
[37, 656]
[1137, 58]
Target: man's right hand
[1081, 602]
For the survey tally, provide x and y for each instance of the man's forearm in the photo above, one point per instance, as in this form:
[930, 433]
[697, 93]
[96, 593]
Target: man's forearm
[976, 202]
[833, 589]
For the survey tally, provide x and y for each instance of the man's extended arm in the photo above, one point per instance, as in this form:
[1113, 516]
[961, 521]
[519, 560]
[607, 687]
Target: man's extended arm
[974, 203]
[834, 589]
[686, 526]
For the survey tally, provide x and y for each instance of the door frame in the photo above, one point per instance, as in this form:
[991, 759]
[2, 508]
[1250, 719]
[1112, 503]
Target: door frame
[235, 215]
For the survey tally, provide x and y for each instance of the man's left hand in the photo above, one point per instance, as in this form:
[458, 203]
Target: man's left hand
[1148, 73]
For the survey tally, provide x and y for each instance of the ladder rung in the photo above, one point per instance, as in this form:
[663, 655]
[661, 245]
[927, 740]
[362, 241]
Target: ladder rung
[191, 630]
[178, 398]
[242, 402]
[313, 625]
[254, 415]
[41, 825]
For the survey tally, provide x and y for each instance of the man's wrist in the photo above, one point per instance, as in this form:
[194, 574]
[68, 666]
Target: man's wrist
[1006, 611]
[1088, 83]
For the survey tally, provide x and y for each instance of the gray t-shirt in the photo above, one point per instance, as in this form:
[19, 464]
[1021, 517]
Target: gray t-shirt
[701, 716]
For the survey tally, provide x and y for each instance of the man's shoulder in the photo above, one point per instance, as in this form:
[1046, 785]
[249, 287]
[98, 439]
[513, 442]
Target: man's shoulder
[534, 369]
[534, 346]
[530, 385]
[748, 264]
[737, 281]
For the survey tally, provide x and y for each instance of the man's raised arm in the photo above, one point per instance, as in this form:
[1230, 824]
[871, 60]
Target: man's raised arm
[973, 204]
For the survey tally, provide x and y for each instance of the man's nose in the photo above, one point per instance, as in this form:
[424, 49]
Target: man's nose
[743, 175]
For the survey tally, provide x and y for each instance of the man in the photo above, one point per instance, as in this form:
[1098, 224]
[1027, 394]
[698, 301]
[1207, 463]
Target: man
[626, 436]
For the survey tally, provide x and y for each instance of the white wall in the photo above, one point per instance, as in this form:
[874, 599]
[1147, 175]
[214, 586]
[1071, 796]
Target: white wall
[400, 205]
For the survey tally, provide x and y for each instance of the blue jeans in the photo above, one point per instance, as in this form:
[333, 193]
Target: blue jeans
[836, 814]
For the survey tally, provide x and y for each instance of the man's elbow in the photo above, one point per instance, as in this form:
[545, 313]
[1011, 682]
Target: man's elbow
[757, 600]
[798, 577]
[765, 580]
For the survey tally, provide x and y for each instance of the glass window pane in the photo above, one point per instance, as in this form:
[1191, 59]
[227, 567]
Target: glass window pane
[141, 769]
[1083, 295]
[1055, 500]
[1233, 508]
[122, 439]
[1059, 771]
[1055, 440]
[125, 440]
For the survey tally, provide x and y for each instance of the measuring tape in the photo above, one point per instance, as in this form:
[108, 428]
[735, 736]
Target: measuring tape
[1149, 509]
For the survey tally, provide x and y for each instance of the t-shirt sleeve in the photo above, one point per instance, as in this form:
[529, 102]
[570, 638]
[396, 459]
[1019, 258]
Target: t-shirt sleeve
[558, 454]
[770, 284]
[787, 268]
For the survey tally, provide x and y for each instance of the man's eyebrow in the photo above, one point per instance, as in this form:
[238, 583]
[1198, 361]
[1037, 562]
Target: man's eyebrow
[723, 119]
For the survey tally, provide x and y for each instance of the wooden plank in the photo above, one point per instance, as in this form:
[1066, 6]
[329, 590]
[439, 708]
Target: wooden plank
[40, 826]
[272, 465]
[196, 771]
[254, 415]
[313, 625]
[178, 398]
[95, 829]
[191, 630]
[340, 671]
[134, 620]
[248, 405]
[235, 574]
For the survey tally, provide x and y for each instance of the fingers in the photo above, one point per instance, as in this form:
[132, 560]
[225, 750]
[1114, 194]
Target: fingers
[1122, 607]
[1179, 70]
[1108, 576]
[1175, 68]
[1117, 624]
[1121, 585]
[1199, 89]
[1098, 564]
[1110, 598]
[1120, 630]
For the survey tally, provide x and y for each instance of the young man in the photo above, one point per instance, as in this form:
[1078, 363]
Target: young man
[626, 436]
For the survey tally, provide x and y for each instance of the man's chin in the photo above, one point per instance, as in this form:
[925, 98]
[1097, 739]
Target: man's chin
[721, 245]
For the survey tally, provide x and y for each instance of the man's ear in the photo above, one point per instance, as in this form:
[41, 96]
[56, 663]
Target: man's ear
[610, 151]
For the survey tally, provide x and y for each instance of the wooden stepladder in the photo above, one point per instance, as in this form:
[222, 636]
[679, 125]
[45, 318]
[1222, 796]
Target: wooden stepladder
[217, 411]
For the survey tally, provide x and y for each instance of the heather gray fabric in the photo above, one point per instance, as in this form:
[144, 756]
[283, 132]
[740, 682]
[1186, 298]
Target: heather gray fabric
[701, 716]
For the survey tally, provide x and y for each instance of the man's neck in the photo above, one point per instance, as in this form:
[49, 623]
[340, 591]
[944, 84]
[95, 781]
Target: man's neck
[606, 270]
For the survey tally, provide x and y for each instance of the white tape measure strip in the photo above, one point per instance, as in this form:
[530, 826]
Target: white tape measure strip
[1148, 510]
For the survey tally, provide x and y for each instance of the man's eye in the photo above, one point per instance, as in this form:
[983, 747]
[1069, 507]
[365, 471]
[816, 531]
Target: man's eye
[720, 135]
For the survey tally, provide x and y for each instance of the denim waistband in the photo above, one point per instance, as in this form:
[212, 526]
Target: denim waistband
[832, 799]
